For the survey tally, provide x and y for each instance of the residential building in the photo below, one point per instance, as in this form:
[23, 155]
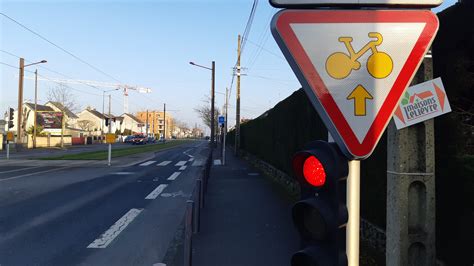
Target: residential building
[131, 124]
[156, 122]
[93, 122]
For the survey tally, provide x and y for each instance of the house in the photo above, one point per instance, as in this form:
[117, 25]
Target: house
[95, 123]
[91, 121]
[131, 124]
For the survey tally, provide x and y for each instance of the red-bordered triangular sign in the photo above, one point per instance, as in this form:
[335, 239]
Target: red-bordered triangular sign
[355, 65]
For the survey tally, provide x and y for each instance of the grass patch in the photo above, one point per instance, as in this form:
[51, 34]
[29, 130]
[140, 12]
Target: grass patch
[102, 155]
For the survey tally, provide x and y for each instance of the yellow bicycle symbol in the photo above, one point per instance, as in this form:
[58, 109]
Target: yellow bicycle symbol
[379, 65]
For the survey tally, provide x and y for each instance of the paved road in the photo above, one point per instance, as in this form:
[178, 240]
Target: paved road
[79, 215]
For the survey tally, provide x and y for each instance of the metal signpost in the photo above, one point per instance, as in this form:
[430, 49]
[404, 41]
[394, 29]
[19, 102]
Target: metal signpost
[354, 66]
[221, 121]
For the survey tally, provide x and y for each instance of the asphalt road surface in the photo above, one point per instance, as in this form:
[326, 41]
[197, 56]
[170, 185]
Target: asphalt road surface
[96, 215]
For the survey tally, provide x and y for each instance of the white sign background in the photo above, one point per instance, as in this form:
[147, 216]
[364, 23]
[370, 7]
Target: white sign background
[398, 42]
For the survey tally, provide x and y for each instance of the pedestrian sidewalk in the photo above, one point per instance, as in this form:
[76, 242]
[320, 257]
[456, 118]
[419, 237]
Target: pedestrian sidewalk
[246, 219]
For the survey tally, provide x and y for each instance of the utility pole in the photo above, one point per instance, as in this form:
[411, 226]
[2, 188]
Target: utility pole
[164, 122]
[110, 113]
[225, 124]
[62, 129]
[36, 110]
[109, 159]
[213, 118]
[237, 116]
[411, 195]
[20, 104]
[146, 126]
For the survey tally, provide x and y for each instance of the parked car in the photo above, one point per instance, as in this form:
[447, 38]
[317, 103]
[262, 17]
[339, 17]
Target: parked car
[139, 139]
[129, 139]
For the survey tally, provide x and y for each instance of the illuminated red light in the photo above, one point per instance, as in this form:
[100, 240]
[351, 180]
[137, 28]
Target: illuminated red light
[313, 171]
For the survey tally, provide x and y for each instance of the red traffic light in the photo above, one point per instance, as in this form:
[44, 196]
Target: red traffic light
[313, 171]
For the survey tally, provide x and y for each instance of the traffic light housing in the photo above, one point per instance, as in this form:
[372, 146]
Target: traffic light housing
[10, 117]
[321, 215]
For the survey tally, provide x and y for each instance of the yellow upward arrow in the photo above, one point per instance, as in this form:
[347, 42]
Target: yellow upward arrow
[359, 94]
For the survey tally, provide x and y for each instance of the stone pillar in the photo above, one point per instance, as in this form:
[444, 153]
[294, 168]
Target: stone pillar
[411, 190]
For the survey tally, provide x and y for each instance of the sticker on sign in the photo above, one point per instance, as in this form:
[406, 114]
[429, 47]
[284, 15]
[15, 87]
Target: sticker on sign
[355, 66]
[309, 3]
[422, 102]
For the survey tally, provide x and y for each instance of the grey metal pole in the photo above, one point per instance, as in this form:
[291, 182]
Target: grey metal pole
[188, 233]
[8, 149]
[353, 209]
[35, 113]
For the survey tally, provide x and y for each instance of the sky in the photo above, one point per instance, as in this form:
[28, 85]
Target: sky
[147, 44]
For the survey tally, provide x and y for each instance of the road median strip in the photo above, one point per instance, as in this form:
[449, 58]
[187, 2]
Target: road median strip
[102, 155]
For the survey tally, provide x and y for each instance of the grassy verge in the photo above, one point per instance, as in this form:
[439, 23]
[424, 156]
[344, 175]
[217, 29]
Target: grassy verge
[102, 155]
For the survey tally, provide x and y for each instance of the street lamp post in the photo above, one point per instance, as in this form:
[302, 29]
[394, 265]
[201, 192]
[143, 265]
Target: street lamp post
[213, 69]
[20, 101]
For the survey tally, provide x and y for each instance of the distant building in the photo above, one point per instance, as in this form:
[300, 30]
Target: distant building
[156, 122]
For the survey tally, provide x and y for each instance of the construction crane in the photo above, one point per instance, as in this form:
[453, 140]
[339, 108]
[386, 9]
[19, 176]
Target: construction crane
[125, 88]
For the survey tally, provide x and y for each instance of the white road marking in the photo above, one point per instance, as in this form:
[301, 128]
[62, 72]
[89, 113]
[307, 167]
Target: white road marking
[34, 173]
[123, 173]
[198, 163]
[180, 163]
[191, 159]
[108, 236]
[174, 176]
[164, 163]
[175, 194]
[182, 168]
[147, 163]
[217, 162]
[186, 153]
[22, 169]
[156, 192]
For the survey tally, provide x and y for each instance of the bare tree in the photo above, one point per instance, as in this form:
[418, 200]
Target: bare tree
[204, 111]
[64, 96]
[85, 125]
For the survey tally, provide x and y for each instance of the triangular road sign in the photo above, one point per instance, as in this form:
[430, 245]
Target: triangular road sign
[355, 65]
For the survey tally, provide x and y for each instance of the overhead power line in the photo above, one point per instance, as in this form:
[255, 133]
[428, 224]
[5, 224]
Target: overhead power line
[60, 48]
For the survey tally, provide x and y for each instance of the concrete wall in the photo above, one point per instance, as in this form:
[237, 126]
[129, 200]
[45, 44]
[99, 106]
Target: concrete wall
[52, 141]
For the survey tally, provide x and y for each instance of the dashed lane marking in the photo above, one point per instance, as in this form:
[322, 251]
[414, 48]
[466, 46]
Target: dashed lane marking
[191, 159]
[123, 173]
[147, 163]
[156, 192]
[182, 168]
[164, 163]
[180, 163]
[106, 238]
[174, 176]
